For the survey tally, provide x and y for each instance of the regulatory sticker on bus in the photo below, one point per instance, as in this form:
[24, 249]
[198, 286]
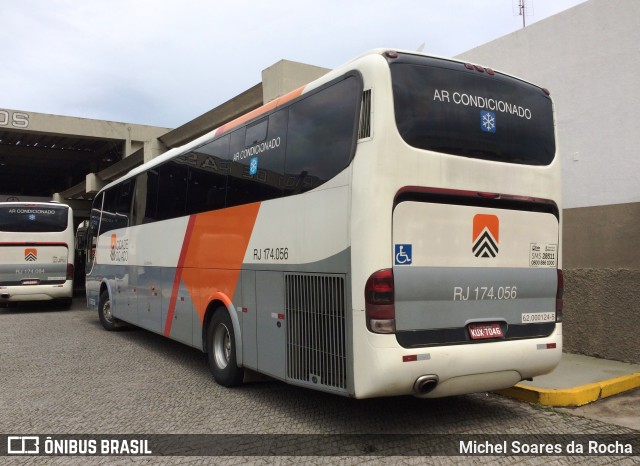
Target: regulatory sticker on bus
[543, 255]
[538, 317]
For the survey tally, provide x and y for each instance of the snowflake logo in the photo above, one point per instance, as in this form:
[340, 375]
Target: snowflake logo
[487, 121]
[253, 166]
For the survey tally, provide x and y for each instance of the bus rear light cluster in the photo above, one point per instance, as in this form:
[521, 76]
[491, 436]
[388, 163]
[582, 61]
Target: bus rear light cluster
[69, 271]
[380, 310]
[559, 296]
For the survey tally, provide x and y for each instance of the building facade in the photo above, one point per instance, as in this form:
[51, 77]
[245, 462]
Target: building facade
[589, 58]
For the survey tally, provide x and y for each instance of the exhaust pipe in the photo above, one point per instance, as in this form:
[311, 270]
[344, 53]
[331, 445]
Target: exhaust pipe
[425, 384]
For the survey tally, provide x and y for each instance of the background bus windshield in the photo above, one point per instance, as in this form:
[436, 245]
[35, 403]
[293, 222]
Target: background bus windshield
[444, 107]
[33, 219]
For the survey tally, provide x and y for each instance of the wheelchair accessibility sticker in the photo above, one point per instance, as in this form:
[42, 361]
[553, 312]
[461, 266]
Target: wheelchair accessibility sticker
[403, 254]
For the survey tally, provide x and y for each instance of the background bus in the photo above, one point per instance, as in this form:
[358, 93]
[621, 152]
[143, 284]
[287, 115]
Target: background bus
[391, 228]
[36, 252]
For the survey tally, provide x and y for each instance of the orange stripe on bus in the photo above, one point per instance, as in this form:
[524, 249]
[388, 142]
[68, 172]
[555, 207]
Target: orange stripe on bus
[178, 276]
[217, 296]
[216, 252]
[259, 111]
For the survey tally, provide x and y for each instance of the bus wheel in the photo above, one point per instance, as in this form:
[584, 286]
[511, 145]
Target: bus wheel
[221, 350]
[104, 312]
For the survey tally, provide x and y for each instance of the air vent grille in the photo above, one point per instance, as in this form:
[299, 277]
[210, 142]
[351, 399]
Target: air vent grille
[364, 128]
[316, 338]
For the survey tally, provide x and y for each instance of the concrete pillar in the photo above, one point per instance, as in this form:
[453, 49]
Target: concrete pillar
[286, 76]
[153, 148]
[93, 183]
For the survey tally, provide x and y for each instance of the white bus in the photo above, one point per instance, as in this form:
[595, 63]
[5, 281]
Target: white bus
[392, 228]
[36, 252]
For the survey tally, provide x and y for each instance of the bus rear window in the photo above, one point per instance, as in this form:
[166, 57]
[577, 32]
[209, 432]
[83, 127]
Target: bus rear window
[442, 106]
[33, 219]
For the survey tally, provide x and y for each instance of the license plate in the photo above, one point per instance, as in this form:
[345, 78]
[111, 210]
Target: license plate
[483, 331]
[30, 281]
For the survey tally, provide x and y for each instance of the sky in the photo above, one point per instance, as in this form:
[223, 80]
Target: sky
[165, 62]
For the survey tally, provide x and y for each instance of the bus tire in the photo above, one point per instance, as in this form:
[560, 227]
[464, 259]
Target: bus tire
[221, 350]
[104, 312]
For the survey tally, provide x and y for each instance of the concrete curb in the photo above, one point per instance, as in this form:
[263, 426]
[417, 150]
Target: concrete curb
[577, 396]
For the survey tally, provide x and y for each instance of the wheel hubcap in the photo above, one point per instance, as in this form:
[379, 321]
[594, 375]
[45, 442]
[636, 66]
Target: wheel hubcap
[106, 310]
[222, 346]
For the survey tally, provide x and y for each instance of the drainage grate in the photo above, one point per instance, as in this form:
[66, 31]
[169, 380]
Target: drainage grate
[316, 348]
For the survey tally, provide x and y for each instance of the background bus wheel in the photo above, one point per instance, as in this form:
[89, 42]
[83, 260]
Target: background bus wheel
[221, 350]
[104, 312]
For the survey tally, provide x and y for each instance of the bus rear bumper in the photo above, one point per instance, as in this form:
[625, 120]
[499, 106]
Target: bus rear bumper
[14, 294]
[457, 369]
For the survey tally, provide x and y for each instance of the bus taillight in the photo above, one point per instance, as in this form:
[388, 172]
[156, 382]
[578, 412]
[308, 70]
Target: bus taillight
[559, 296]
[69, 271]
[379, 299]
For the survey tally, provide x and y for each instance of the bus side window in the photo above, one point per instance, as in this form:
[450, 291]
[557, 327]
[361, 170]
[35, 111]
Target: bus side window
[140, 199]
[116, 211]
[151, 197]
[146, 198]
[256, 133]
[108, 219]
[124, 203]
[322, 135]
[257, 165]
[239, 181]
[92, 232]
[208, 169]
[172, 190]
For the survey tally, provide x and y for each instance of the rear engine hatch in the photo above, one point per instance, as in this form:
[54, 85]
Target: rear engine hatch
[33, 264]
[474, 273]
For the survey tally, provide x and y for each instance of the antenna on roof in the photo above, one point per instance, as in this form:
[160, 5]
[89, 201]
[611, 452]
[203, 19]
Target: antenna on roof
[421, 48]
[522, 8]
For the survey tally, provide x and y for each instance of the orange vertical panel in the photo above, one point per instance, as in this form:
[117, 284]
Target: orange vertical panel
[215, 253]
